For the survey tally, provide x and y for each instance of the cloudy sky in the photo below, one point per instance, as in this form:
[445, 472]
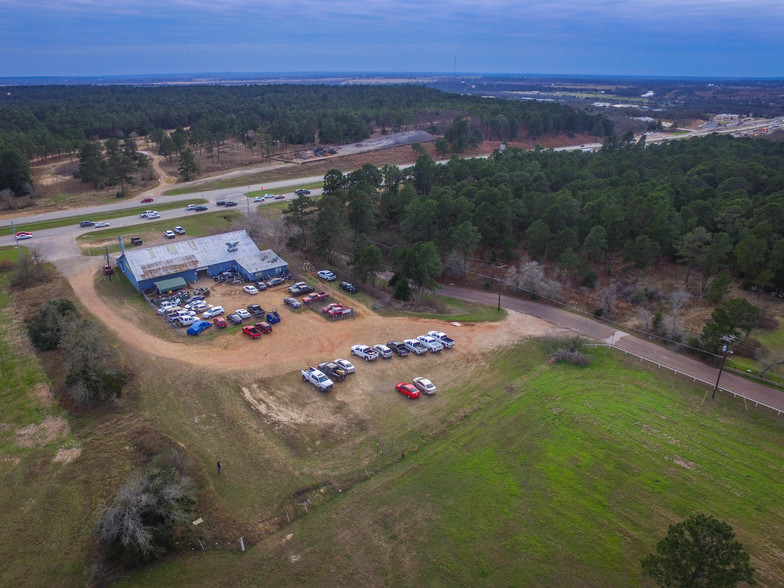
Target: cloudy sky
[710, 38]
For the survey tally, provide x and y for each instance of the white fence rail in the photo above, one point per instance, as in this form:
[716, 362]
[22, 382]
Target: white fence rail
[680, 373]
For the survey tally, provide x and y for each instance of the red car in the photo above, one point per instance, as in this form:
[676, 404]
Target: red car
[251, 331]
[264, 327]
[407, 390]
[146, 200]
[220, 322]
[330, 306]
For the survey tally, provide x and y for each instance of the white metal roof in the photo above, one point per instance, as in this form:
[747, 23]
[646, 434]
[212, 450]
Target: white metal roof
[199, 254]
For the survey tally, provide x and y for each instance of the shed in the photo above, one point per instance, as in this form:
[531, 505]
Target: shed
[170, 285]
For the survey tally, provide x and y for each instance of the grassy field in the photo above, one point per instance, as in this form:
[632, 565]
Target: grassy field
[517, 472]
[531, 475]
[247, 180]
[49, 503]
[459, 311]
[76, 219]
[198, 225]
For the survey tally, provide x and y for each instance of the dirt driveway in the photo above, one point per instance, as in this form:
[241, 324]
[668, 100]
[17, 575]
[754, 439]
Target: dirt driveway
[301, 338]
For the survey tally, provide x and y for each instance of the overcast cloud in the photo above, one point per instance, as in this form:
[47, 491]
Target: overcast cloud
[633, 37]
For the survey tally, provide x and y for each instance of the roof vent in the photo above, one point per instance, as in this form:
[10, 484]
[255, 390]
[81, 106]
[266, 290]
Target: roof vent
[232, 247]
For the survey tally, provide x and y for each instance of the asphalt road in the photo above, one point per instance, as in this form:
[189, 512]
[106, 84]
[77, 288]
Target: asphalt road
[623, 341]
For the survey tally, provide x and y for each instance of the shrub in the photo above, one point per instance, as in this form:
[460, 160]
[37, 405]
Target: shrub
[148, 513]
[46, 330]
[566, 348]
[94, 371]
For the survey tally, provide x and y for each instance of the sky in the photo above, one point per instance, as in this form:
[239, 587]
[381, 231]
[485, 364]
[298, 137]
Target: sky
[703, 38]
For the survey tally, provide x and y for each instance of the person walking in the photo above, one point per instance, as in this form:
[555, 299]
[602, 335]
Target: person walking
[219, 467]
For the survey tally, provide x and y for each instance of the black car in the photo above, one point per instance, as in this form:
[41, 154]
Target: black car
[260, 286]
[220, 203]
[348, 287]
[136, 240]
[292, 302]
[234, 319]
[87, 224]
[300, 290]
[333, 371]
[302, 192]
[231, 203]
[256, 310]
[200, 208]
[398, 347]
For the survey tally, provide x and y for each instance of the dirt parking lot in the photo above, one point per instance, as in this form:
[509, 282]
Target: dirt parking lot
[302, 337]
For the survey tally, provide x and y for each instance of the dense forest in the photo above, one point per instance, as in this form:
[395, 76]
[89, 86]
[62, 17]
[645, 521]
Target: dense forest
[44, 121]
[711, 204]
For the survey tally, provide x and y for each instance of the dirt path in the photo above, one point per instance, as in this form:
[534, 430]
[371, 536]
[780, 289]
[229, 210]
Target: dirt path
[301, 339]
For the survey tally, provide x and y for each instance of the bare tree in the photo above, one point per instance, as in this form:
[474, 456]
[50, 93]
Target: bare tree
[607, 299]
[265, 232]
[678, 298]
[30, 268]
[530, 277]
[644, 318]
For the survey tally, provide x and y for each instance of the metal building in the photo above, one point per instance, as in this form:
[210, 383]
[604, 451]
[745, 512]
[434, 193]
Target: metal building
[188, 258]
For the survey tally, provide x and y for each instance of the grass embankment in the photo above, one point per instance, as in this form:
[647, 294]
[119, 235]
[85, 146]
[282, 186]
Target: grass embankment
[561, 476]
[49, 504]
[102, 216]
[198, 225]
[461, 311]
[248, 181]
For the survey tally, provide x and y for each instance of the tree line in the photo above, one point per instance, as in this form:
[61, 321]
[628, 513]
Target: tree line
[44, 121]
[712, 204]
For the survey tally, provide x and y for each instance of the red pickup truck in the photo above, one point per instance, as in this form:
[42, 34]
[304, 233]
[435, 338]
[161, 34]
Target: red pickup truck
[314, 297]
[251, 331]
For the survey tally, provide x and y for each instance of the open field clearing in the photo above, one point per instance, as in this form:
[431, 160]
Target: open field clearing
[522, 474]
[516, 472]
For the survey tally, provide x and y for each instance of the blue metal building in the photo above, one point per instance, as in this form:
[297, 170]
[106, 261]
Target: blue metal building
[206, 255]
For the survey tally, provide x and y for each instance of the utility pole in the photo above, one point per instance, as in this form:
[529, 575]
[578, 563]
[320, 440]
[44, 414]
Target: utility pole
[726, 350]
[18, 245]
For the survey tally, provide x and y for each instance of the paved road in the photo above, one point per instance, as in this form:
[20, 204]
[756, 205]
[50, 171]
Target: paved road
[600, 331]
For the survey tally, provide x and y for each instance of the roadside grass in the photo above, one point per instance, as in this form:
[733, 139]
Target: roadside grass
[49, 507]
[540, 475]
[198, 225]
[772, 341]
[292, 188]
[103, 216]
[247, 180]
[460, 311]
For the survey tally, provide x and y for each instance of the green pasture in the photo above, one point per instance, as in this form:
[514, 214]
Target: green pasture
[541, 475]
[199, 225]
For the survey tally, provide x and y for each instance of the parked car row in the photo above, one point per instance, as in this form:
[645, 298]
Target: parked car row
[419, 386]
[433, 342]
[255, 331]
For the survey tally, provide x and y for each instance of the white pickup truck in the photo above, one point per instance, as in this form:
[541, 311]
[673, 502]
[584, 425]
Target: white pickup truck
[317, 379]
